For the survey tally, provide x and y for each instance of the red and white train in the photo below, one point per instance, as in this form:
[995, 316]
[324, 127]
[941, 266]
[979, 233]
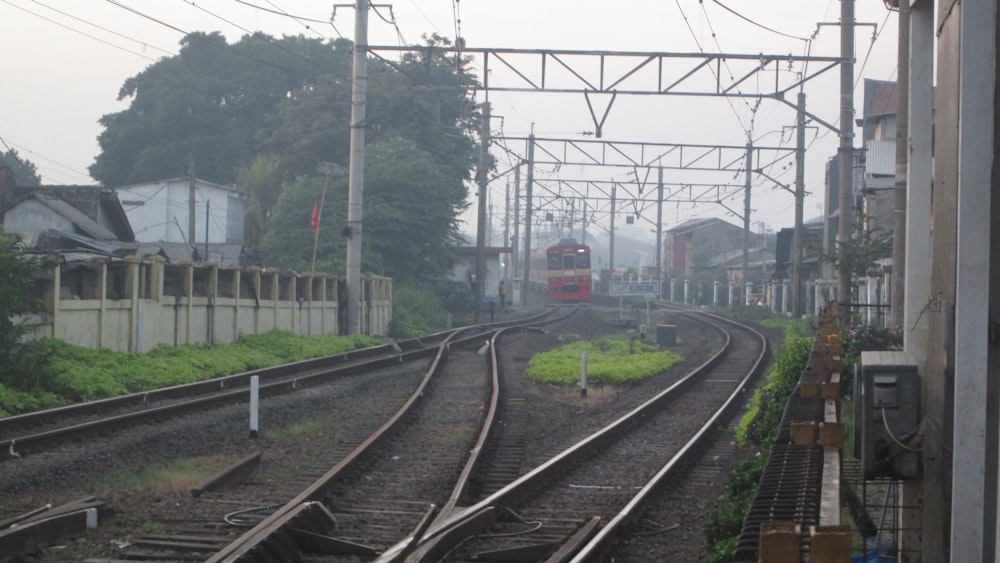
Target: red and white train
[568, 273]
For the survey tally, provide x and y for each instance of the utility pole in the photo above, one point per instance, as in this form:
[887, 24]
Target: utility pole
[897, 302]
[506, 229]
[208, 207]
[481, 179]
[746, 210]
[528, 187]
[846, 159]
[611, 237]
[659, 233]
[800, 195]
[191, 192]
[356, 174]
[514, 256]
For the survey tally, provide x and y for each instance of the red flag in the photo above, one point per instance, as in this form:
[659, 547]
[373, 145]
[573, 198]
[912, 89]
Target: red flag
[314, 224]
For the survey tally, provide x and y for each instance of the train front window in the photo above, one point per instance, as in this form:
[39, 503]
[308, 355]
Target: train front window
[568, 262]
[583, 261]
[555, 261]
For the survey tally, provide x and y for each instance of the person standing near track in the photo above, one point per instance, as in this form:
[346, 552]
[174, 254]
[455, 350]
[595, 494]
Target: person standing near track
[502, 291]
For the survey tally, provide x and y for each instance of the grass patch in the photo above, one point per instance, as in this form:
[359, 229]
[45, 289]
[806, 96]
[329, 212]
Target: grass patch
[71, 374]
[301, 430]
[175, 475]
[609, 360]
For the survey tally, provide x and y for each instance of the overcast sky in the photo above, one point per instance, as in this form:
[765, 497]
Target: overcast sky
[65, 61]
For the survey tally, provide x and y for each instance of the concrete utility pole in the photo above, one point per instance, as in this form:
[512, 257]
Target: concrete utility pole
[897, 307]
[611, 238]
[529, 183]
[506, 229]
[514, 256]
[356, 175]
[191, 194]
[746, 211]
[481, 180]
[659, 233]
[845, 219]
[800, 195]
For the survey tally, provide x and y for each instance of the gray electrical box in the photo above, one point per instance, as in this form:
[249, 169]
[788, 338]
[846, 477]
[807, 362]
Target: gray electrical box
[887, 415]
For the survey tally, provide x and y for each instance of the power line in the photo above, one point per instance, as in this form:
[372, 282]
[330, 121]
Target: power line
[760, 25]
[702, 50]
[102, 28]
[78, 31]
[875, 36]
[34, 154]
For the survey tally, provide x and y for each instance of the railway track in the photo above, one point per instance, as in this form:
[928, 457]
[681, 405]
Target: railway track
[577, 505]
[188, 540]
[392, 481]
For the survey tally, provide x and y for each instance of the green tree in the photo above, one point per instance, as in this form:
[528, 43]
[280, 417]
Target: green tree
[207, 104]
[25, 171]
[862, 253]
[288, 243]
[262, 182]
[15, 299]
[411, 206]
[424, 98]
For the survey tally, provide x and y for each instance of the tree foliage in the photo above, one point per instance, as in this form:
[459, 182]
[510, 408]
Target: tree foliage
[862, 253]
[207, 104]
[410, 208]
[266, 113]
[25, 171]
[15, 299]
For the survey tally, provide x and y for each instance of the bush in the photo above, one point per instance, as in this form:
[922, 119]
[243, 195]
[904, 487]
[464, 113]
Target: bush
[609, 360]
[758, 426]
[760, 423]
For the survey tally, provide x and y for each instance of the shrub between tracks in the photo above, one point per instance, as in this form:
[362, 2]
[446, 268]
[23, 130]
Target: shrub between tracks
[609, 360]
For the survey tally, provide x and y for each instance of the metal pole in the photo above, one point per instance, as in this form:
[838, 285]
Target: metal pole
[528, 186]
[191, 204]
[800, 195]
[659, 234]
[517, 220]
[481, 179]
[208, 209]
[356, 175]
[846, 158]
[611, 238]
[746, 211]
[897, 303]
[319, 218]
[506, 229]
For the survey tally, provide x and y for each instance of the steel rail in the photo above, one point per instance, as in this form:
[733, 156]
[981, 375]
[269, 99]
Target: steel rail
[453, 529]
[598, 546]
[15, 446]
[11, 424]
[270, 534]
[339, 365]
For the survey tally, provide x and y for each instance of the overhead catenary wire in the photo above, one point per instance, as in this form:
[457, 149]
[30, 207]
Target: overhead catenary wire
[50, 20]
[701, 49]
[10, 150]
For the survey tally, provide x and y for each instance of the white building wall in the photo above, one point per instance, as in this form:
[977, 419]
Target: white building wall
[160, 211]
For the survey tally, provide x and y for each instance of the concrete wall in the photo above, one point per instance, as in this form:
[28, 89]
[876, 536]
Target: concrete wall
[132, 306]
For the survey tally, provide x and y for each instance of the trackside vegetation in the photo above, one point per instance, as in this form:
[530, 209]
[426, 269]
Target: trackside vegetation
[757, 430]
[67, 374]
[609, 360]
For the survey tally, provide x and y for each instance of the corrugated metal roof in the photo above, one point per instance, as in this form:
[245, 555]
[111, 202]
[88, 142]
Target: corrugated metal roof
[882, 183]
[880, 157]
[87, 225]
